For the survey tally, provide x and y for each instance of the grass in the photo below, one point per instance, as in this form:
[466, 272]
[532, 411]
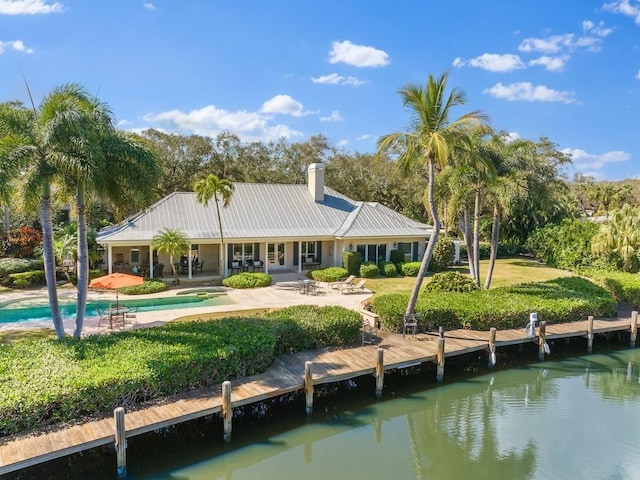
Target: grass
[11, 336]
[507, 271]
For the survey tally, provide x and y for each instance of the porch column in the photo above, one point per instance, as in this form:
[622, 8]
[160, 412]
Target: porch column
[151, 265]
[223, 258]
[299, 256]
[335, 253]
[189, 261]
[266, 257]
[110, 258]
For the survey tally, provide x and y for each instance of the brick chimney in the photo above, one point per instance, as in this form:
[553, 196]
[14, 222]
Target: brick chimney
[315, 181]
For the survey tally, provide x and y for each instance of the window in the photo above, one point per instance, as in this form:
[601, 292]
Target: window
[372, 252]
[406, 248]
[242, 251]
[309, 249]
[135, 255]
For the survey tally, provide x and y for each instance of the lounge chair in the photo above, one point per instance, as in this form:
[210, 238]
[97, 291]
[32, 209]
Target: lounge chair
[342, 283]
[357, 288]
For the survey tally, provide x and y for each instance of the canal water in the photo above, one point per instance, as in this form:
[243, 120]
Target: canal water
[576, 418]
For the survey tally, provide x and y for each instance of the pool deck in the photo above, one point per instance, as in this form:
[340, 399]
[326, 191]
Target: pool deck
[267, 297]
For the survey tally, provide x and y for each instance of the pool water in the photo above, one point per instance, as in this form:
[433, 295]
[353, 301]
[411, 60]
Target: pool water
[28, 311]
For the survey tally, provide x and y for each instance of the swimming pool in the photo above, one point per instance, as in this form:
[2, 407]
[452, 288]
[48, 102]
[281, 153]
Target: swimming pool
[26, 311]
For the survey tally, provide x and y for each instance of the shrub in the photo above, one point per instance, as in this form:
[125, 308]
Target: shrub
[443, 254]
[25, 279]
[623, 286]
[451, 282]
[48, 381]
[557, 301]
[351, 262]
[18, 265]
[388, 269]
[396, 256]
[331, 274]
[247, 280]
[21, 242]
[410, 269]
[305, 327]
[150, 285]
[369, 270]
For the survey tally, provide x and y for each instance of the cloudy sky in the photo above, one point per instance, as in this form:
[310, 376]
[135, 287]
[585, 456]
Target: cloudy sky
[568, 70]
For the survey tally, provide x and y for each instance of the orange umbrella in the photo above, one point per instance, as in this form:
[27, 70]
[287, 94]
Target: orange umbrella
[116, 281]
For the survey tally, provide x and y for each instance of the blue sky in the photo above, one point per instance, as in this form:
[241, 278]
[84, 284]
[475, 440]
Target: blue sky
[568, 69]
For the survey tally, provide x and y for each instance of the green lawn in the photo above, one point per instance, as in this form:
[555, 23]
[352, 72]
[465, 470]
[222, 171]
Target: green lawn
[508, 271]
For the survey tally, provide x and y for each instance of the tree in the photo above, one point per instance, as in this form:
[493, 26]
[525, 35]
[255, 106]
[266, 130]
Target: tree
[429, 141]
[173, 242]
[618, 238]
[220, 190]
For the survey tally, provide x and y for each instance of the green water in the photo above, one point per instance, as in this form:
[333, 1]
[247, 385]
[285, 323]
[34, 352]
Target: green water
[572, 419]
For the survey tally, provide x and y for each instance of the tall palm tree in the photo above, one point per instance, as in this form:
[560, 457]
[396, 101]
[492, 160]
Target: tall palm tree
[430, 140]
[33, 141]
[619, 238]
[219, 189]
[173, 242]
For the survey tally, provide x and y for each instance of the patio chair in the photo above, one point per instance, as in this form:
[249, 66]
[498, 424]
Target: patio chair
[236, 267]
[102, 317]
[197, 266]
[157, 270]
[357, 288]
[341, 283]
[258, 265]
[131, 315]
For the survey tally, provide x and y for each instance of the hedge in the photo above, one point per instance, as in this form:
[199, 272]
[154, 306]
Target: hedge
[331, 274]
[556, 301]
[624, 286]
[150, 285]
[410, 269]
[18, 265]
[48, 381]
[388, 269]
[24, 279]
[369, 270]
[247, 280]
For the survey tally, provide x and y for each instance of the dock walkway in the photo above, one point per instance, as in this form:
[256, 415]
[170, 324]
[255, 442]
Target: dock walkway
[286, 374]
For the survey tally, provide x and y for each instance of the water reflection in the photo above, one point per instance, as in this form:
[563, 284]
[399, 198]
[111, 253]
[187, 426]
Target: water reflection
[570, 419]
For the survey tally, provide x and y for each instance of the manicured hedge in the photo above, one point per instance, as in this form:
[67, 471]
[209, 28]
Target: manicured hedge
[24, 279]
[556, 301]
[388, 269]
[369, 270]
[451, 282]
[624, 286]
[247, 280]
[331, 274]
[305, 327]
[150, 285]
[18, 265]
[47, 381]
[410, 269]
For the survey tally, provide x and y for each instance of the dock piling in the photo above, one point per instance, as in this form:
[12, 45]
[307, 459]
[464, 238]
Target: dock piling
[590, 334]
[440, 359]
[121, 442]
[634, 328]
[308, 386]
[492, 347]
[379, 372]
[542, 339]
[227, 410]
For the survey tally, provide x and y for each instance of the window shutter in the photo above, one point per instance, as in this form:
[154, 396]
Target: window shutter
[296, 253]
[414, 252]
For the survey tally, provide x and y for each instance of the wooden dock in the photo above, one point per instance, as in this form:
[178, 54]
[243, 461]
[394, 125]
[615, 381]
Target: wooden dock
[286, 374]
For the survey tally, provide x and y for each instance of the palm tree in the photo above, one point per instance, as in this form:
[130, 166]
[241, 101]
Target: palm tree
[33, 141]
[619, 238]
[173, 242]
[430, 140]
[219, 189]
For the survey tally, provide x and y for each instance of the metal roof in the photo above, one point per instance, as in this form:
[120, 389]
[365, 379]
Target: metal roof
[260, 211]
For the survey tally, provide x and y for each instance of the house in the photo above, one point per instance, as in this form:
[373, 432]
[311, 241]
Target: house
[282, 227]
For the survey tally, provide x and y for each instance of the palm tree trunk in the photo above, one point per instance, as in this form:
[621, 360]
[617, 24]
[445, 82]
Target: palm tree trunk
[424, 266]
[223, 254]
[495, 235]
[6, 219]
[466, 234]
[476, 237]
[50, 260]
[82, 262]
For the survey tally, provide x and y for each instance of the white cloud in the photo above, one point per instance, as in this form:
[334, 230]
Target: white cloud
[357, 55]
[625, 8]
[29, 7]
[638, 75]
[335, 79]
[584, 160]
[492, 62]
[342, 143]
[552, 64]
[599, 30]
[511, 136]
[286, 105]
[525, 91]
[149, 6]
[17, 45]
[334, 117]
[365, 136]
[210, 121]
[558, 43]
[123, 123]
